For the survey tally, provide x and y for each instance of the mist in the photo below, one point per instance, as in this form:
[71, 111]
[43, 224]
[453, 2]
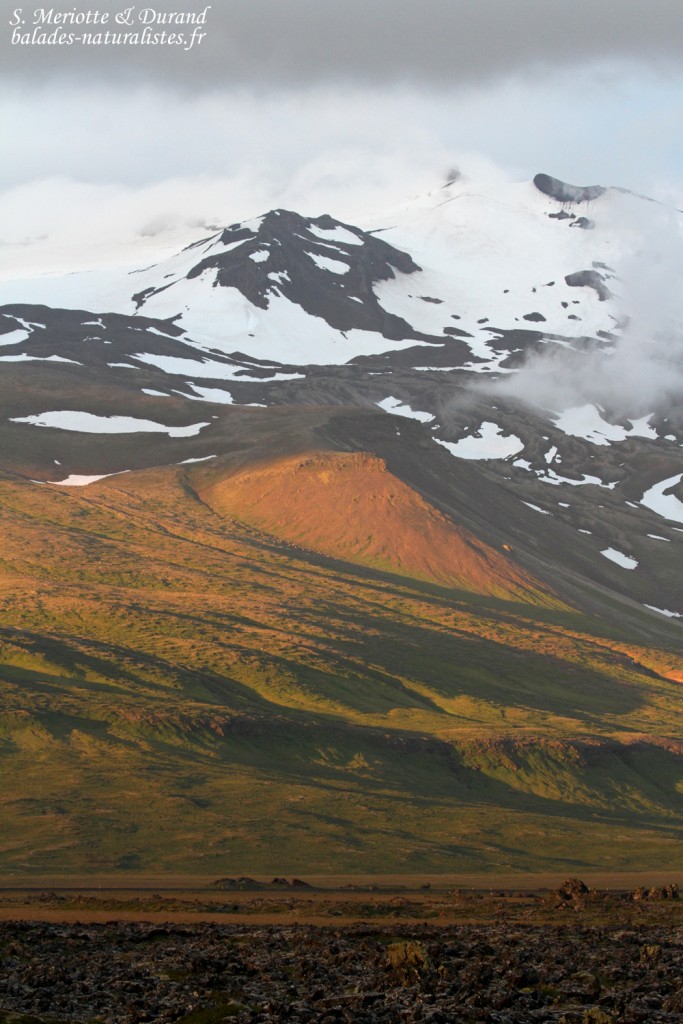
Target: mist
[643, 370]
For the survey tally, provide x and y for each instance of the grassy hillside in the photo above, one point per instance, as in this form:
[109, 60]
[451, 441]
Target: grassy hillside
[186, 687]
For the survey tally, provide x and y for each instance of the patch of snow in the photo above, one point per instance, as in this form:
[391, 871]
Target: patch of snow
[395, 406]
[23, 358]
[266, 380]
[663, 611]
[325, 263]
[214, 370]
[247, 361]
[490, 365]
[162, 334]
[655, 536]
[625, 561]
[550, 454]
[27, 324]
[589, 532]
[642, 428]
[260, 256]
[587, 422]
[210, 394]
[543, 511]
[337, 234]
[76, 480]
[155, 394]
[217, 244]
[666, 505]
[15, 337]
[253, 225]
[89, 423]
[203, 458]
[188, 367]
[551, 477]
[487, 443]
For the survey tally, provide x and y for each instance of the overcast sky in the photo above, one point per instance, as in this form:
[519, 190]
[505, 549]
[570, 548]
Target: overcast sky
[334, 106]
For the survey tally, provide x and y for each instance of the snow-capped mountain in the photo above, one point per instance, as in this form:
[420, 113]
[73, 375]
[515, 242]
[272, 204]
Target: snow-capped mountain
[529, 331]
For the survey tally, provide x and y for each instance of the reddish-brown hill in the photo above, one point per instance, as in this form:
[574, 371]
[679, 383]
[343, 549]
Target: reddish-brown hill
[349, 506]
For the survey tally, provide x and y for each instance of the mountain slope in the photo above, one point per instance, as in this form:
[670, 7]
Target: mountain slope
[349, 506]
[349, 548]
[278, 707]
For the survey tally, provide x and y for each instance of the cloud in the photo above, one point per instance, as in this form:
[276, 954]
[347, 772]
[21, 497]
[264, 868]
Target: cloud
[126, 163]
[59, 224]
[140, 135]
[297, 43]
[644, 371]
[135, 135]
[283, 87]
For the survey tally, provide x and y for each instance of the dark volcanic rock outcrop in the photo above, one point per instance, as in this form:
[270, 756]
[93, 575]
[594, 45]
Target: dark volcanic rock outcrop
[565, 193]
[326, 267]
[589, 279]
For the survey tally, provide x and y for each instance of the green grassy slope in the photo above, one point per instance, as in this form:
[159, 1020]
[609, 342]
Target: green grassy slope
[183, 692]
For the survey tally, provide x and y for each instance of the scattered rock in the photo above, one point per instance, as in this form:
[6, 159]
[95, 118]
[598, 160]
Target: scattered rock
[650, 955]
[664, 892]
[572, 889]
[589, 279]
[674, 1002]
[597, 1016]
[129, 972]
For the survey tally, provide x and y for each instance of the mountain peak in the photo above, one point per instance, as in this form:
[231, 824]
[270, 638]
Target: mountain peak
[322, 265]
[566, 193]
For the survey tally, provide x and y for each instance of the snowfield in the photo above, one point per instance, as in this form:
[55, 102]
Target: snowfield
[487, 443]
[666, 505]
[89, 423]
[455, 234]
[398, 408]
[586, 421]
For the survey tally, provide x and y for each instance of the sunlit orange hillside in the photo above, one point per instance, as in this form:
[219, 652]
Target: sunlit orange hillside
[349, 506]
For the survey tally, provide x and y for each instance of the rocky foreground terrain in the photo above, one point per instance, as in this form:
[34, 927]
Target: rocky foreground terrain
[504, 967]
